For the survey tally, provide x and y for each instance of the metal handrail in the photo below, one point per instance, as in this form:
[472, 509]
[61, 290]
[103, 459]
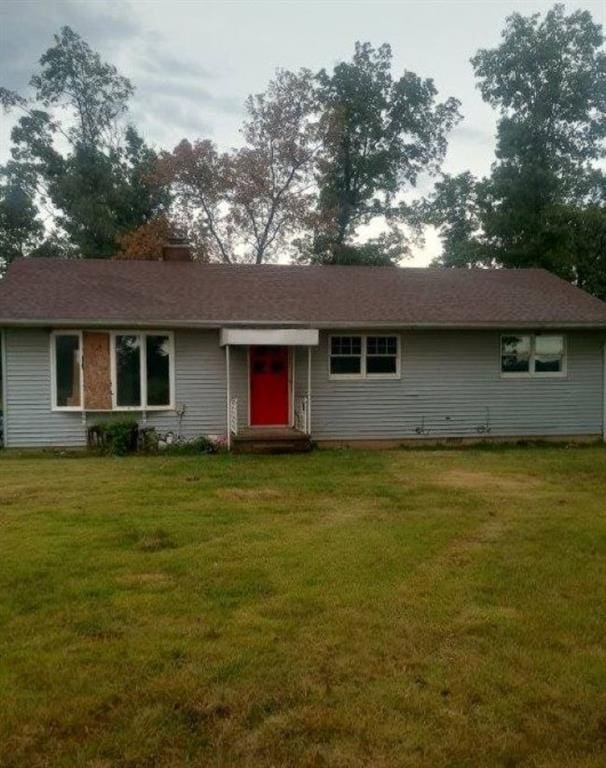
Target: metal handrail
[301, 414]
[233, 416]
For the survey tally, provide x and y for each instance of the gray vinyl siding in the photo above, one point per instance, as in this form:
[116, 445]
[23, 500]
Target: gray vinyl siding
[199, 387]
[450, 385]
[30, 420]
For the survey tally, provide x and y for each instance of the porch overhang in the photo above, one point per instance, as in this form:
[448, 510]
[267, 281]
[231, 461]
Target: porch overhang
[284, 337]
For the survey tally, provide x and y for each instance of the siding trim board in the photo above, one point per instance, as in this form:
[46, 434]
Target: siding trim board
[450, 388]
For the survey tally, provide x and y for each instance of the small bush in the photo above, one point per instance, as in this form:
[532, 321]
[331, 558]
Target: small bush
[117, 437]
[190, 447]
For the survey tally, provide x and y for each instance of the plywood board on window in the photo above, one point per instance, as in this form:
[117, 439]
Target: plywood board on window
[97, 376]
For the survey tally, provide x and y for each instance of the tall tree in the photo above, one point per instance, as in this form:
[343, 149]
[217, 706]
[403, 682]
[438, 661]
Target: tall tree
[547, 79]
[74, 157]
[20, 227]
[379, 134]
[248, 204]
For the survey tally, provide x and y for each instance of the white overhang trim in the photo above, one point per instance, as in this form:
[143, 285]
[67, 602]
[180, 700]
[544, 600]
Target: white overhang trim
[291, 337]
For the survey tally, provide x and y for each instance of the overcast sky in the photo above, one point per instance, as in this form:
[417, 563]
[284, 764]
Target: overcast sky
[193, 63]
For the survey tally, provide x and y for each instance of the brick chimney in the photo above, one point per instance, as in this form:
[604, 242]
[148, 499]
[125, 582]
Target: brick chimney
[176, 249]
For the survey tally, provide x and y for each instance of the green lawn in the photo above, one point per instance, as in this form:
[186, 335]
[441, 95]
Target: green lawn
[397, 608]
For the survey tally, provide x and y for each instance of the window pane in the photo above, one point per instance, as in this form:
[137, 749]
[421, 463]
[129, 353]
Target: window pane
[372, 345]
[381, 364]
[549, 345]
[128, 370]
[346, 355]
[346, 345]
[345, 365]
[546, 364]
[67, 366]
[515, 354]
[549, 354]
[158, 370]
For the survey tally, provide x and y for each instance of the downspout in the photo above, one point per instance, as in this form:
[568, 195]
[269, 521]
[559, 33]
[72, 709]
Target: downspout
[228, 395]
[4, 383]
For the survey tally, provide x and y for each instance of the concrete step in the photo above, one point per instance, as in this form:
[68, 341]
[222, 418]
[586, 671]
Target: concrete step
[271, 441]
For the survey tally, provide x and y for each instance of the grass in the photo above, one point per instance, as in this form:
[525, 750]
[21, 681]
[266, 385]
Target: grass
[399, 608]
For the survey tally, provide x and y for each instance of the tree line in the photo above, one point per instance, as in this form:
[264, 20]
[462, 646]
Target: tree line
[323, 155]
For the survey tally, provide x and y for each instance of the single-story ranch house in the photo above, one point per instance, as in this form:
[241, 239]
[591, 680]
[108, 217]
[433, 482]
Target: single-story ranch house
[341, 354]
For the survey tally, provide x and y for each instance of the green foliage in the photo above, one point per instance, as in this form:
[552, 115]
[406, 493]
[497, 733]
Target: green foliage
[117, 437]
[543, 204]
[20, 226]
[74, 77]
[586, 229]
[380, 252]
[92, 176]
[193, 447]
[454, 209]
[378, 135]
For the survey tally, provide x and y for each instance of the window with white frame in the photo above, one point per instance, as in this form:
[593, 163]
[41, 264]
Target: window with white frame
[533, 355]
[364, 356]
[346, 355]
[142, 369]
[381, 355]
[66, 365]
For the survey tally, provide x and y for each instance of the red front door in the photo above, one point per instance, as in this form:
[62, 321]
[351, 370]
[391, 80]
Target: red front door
[269, 386]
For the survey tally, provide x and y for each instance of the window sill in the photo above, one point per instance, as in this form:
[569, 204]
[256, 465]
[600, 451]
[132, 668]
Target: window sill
[141, 408]
[538, 376]
[125, 409]
[368, 377]
[66, 409]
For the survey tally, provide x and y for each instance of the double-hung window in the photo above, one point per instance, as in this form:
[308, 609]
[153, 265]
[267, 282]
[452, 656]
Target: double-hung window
[142, 371]
[66, 370]
[364, 357]
[527, 354]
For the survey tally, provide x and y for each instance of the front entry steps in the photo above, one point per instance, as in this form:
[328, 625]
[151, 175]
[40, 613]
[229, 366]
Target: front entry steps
[270, 440]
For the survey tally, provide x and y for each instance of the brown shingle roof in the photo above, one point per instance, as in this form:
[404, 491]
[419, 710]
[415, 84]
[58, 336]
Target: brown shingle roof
[193, 294]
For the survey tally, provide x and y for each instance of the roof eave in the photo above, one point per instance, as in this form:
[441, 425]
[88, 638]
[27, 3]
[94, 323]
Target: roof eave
[322, 324]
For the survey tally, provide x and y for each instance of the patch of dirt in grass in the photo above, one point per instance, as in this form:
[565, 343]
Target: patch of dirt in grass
[8, 497]
[469, 480]
[249, 494]
[461, 551]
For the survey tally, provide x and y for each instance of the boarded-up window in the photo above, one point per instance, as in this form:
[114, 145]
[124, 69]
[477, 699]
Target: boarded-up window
[97, 375]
